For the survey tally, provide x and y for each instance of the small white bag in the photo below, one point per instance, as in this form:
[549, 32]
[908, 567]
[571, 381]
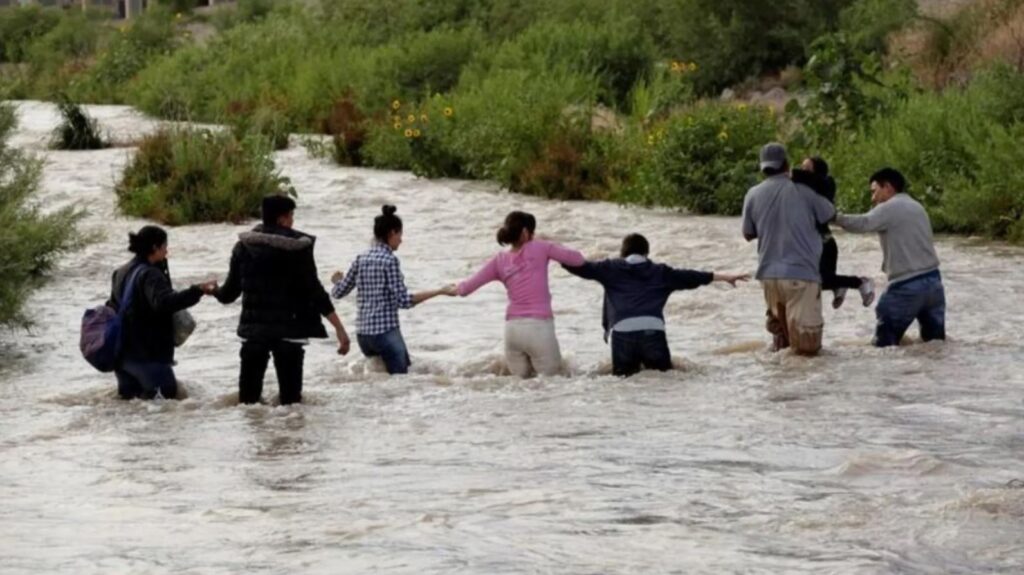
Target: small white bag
[184, 325]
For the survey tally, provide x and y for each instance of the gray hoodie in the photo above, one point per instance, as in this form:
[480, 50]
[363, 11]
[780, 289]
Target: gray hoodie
[905, 233]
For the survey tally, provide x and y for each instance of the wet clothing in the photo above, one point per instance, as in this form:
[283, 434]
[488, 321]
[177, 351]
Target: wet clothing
[145, 380]
[794, 314]
[288, 359]
[905, 232]
[637, 288]
[274, 271]
[531, 347]
[921, 298]
[148, 329]
[378, 277]
[525, 275]
[390, 347]
[830, 280]
[636, 350]
[784, 217]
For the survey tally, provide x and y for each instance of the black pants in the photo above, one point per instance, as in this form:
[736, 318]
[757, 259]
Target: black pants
[829, 262]
[288, 358]
[635, 350]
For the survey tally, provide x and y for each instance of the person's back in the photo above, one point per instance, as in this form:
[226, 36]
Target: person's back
[635, 293]
[525, 275]
[530, 342]
[273, 269]
[905, 233]
[784, 217]
[281, 296]
[915, 291]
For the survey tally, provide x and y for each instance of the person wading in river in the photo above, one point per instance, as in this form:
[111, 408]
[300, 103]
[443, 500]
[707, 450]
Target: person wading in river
[915, 290]
[377, 275]
[635, 293]
[274, 271]
[531, 346]
[814, 174]
[783, 217]
[145, 368]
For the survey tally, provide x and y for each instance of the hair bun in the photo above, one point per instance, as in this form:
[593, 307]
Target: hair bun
[389, 210]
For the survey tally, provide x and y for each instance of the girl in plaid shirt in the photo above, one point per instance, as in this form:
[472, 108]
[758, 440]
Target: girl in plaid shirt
[377, 275]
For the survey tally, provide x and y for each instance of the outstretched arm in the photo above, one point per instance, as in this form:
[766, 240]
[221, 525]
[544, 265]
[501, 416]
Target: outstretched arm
[344, 284]
[588, 271]
[232, 287]
[876, 220]
[486, 275]
[731, 279]
[162, 298]
[565, 256]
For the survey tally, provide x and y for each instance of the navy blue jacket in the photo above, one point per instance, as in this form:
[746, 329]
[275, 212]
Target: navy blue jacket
[637, 290]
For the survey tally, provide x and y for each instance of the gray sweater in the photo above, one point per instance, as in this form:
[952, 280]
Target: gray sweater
[905, 233]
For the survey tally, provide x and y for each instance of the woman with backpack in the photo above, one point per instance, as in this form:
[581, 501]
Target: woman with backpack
[145, 366]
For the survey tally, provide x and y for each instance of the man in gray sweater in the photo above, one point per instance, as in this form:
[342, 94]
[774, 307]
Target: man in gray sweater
[915, 289]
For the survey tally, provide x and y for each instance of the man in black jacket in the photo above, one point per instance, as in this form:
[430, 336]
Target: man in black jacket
[635, 293]
[273, 269]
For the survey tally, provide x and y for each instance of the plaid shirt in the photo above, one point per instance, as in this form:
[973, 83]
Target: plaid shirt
[382, 290]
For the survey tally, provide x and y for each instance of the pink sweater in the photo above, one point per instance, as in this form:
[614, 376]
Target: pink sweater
[525, 275]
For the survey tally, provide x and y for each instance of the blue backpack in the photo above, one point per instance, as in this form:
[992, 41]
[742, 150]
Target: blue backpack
[101, 337]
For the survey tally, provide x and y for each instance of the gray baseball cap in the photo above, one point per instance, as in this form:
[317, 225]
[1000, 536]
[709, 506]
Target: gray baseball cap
[773, 156]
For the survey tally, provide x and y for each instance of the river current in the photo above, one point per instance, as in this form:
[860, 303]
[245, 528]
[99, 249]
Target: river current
[906, 460]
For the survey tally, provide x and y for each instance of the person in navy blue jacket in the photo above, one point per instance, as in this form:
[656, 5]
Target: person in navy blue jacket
[635, 293]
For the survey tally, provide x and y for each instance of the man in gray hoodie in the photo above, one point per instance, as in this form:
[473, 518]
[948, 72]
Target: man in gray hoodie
[915, 289]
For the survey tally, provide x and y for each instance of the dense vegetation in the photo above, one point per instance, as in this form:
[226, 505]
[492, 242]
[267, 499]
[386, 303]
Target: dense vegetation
[30, 240]
[186, 175]
[580, 99]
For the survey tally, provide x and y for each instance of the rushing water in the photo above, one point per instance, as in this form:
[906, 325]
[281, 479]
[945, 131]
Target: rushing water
[859, 461]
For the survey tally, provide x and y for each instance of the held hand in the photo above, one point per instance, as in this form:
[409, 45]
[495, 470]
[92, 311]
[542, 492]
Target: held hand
[208, 288]
[343, 342]
[731, 279]
[337, 277]
[449, 290]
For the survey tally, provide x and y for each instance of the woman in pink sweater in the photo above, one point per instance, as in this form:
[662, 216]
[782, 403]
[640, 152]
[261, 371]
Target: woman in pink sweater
[530, 343]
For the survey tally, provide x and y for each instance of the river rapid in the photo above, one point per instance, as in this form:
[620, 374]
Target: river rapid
[906, 460]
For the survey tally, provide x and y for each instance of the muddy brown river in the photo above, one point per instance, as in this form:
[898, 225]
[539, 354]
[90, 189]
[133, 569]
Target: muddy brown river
[863, 461]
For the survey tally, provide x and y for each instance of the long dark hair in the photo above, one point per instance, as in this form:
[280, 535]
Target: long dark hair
[386, 223]
[515, 223]
[146, 241]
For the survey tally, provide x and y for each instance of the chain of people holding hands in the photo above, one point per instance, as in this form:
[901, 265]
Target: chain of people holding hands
[273, 271]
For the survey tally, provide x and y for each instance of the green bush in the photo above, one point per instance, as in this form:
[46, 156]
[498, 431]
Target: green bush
[703, 159]
[21, 26]
[77, 130]
[503, 123]
[30, 240]
[188, 175]
[960, 150]
[126, 54]
[616, 52]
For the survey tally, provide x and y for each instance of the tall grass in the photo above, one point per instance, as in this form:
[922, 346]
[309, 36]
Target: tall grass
[77, 130]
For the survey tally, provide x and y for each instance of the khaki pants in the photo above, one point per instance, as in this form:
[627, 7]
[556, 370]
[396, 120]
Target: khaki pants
[532, 348]
[794, 314]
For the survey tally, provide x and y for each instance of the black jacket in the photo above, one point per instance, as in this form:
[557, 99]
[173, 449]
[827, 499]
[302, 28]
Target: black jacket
[274, 272]
[824, 187]
[148, 331]
[637, 290]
